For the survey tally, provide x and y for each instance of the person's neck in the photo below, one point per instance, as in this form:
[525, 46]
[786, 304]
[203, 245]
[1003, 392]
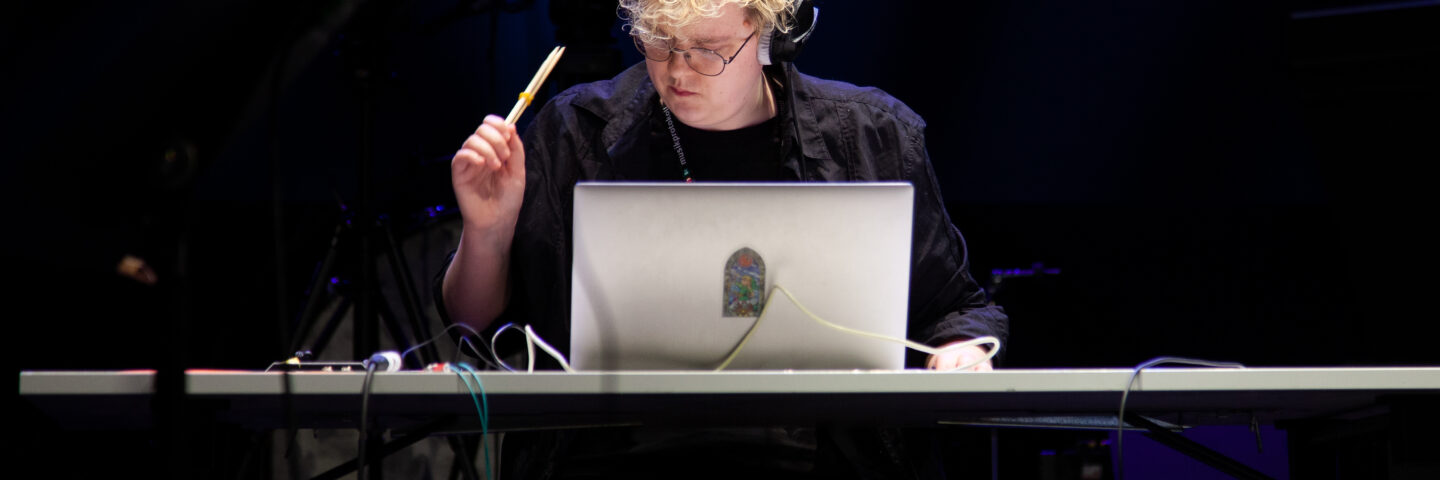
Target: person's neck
[762, 107]
[767, 99]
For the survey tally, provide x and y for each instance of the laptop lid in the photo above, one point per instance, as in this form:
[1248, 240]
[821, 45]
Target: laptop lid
[671, 276]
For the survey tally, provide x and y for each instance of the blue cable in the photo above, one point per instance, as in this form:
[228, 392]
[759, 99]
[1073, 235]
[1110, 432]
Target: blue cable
[485, 402]
[482, 405]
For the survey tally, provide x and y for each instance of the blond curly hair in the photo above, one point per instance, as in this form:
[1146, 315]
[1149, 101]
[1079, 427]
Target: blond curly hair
[657, 20]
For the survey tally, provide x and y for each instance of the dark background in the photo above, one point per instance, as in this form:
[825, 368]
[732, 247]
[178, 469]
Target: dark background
[1230, 180]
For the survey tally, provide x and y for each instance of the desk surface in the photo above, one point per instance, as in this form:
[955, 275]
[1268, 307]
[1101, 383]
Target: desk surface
[1185, 396]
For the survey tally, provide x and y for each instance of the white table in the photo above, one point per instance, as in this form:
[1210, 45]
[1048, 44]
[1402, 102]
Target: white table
[1184, 396]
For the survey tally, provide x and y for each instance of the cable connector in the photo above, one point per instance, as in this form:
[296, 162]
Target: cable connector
[386, 361]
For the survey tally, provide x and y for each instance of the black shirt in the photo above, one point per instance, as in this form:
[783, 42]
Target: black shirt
[750, 154]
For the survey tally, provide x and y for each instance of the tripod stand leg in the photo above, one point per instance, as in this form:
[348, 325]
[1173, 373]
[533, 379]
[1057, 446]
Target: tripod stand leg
[387, 316]
[317, 284]
[333, 323]
[464, 459]
[401, 271]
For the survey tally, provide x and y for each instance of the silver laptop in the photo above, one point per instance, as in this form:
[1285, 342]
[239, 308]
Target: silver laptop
[671, 276]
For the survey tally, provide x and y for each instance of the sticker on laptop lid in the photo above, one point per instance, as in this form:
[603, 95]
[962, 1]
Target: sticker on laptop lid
[744, 284]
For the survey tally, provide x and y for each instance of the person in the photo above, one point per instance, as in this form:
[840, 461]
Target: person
[702, 106]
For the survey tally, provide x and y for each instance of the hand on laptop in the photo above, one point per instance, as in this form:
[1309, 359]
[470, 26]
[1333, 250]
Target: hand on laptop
[488, 174]
[967, 355]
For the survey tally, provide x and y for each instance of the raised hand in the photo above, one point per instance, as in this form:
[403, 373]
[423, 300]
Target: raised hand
[488, 175]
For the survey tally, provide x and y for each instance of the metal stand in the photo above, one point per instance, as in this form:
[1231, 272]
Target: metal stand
[367, 232]
[380, 451]
[1195, 450]
[353, 293]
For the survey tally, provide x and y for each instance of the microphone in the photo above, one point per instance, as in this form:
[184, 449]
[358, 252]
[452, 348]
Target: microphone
[386, 361]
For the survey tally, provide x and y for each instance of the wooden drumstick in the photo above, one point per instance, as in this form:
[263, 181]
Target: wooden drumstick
[529, 93]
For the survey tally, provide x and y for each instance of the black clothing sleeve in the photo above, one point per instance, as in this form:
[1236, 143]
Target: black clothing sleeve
[941, 286]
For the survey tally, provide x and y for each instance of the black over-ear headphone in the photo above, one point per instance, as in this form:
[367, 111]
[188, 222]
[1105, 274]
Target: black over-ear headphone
[777, 46]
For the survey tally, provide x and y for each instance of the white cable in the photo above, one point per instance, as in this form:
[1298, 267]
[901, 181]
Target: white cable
[992, 341]
[531, 335]
[531, 338]
[494, 339]
[529, 350]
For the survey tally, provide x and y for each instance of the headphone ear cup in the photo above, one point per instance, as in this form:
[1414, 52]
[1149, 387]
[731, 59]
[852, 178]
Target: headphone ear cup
[763, 49]
[777, 46]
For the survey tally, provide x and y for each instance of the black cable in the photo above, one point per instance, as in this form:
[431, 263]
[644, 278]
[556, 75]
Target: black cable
[477, 353]
[364, 419]
[292, 458]
[1125, 395]
[462, 341]
[499, 452]
[460, 349]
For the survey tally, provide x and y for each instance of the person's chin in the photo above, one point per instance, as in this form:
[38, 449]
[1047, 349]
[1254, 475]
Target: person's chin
[685, 110]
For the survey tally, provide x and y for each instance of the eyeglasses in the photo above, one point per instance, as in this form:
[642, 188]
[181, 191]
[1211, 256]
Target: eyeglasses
[703, 60]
